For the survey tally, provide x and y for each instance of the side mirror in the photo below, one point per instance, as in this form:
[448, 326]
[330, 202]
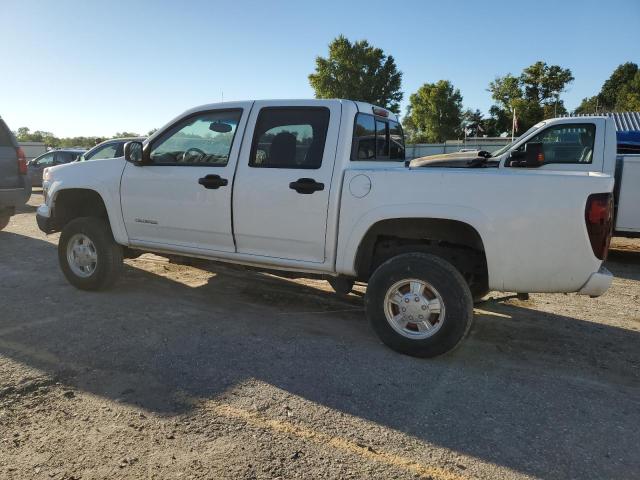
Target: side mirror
[531, 157]
[133, 152]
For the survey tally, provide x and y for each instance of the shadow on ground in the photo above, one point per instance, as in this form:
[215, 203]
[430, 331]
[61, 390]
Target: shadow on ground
[528, 390]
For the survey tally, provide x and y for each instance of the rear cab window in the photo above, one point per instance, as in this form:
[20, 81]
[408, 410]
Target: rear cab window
[377, 138]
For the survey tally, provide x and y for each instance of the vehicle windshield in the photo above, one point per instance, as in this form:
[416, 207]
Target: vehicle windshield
[500, 151]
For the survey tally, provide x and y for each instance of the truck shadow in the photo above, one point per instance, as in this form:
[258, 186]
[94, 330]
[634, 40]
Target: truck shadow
[523, 391]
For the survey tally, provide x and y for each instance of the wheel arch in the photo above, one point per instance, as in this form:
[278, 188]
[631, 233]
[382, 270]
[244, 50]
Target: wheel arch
[454, 240]
[70, 203]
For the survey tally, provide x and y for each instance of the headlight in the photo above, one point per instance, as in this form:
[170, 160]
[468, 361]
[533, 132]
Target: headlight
[45, 174]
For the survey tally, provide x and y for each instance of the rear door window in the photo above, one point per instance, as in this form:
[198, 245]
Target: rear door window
[290, 138]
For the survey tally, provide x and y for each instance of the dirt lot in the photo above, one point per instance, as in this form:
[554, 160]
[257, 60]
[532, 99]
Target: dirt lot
[216, 372]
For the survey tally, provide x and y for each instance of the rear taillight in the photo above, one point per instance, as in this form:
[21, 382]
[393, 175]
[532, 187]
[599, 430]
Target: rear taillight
[598, 216]
[22, 161]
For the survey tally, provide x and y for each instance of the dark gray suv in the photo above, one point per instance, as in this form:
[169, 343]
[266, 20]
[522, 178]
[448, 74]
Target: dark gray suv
[15, 186]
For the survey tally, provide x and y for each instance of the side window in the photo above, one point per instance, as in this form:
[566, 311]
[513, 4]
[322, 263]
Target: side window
[202, 139]
[289, 138]
[567, 143]
[376, 139]
[120, 149]
[46, 160]
[65, 157]
[108, 151]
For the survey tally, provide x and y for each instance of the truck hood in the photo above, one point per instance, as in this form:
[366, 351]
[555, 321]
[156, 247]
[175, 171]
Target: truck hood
[453, 160]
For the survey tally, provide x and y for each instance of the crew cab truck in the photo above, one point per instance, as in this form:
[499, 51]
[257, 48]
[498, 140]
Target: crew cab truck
[321, 187]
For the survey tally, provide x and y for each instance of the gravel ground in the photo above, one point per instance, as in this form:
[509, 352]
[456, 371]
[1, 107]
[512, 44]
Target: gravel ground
[213, 371]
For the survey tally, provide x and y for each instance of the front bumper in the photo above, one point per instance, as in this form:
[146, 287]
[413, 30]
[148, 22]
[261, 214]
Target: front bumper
[598, 283]
[43, 217]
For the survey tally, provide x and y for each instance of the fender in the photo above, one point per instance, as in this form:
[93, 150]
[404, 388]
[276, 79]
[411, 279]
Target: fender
[100, 176]
[349, 241]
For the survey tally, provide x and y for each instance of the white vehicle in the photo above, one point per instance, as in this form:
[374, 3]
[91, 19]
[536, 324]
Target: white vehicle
[627, 194]
[320, 187]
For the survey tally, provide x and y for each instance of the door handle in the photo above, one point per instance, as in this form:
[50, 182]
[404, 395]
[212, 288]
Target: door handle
[212, 181]
[306, 186]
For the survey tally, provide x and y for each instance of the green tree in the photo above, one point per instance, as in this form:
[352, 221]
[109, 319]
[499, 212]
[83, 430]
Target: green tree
[474, 123]
[434, 113]
[534, 94]
[618, 93]
[628, 99]
[358, 71]
[589, 105]
[614, 85]
[125, 135]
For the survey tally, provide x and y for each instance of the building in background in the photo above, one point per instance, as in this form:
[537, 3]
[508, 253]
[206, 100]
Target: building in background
[33, 149]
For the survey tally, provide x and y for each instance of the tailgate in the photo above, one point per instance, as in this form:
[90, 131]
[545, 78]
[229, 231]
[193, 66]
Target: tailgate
[9, 174]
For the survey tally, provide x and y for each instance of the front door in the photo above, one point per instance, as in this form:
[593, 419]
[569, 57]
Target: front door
[182, 198]
[281, 192]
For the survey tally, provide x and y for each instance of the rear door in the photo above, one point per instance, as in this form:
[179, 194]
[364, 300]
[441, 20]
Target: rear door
[9, 174]
[281, 191]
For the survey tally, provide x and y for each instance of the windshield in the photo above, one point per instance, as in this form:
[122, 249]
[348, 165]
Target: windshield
[500, 151]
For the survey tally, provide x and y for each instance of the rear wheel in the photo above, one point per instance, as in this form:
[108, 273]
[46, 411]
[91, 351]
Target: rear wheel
[419, 305]
[4, 221]
[89, 256]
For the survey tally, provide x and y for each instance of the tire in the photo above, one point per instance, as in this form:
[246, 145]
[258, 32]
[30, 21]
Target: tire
[4, 221]
[442, 284]
[108, 254]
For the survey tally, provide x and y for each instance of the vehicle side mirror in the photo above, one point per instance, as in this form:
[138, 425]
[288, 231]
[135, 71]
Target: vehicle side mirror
[531, 157]
[134, 152]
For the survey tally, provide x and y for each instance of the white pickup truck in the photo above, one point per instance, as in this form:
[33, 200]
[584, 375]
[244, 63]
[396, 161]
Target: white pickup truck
[321, 187]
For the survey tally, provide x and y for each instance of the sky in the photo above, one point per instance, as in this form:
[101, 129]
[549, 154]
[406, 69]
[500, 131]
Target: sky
[96, 68]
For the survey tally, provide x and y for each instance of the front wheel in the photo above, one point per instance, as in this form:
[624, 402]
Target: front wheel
[89, 256]
[419, 305]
